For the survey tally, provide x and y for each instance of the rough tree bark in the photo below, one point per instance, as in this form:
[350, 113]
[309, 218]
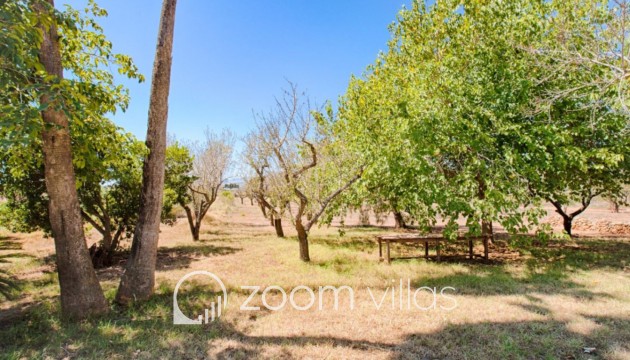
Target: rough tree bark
[81, 293]
[303, 240]
[138, 280]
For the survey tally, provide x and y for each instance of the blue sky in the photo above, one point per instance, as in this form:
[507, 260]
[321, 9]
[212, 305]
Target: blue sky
[232, 57]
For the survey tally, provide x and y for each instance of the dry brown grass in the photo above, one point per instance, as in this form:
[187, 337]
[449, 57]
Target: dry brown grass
[537, 303]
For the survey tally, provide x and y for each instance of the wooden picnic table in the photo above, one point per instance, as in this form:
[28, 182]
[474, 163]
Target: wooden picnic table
[426, 239]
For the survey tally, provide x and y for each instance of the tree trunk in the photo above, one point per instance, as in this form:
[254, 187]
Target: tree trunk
[567, 222]
[251, 201]
[100, 253]
[567, 218]
[486, 230]
[242, 201]
[303, 240]
[197, 230]
[278, 226]
[399, 220]
[191, 220]
[81, 293]
[262, 209]
[138, 280]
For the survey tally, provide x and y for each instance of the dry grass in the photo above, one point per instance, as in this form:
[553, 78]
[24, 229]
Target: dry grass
[536, 302]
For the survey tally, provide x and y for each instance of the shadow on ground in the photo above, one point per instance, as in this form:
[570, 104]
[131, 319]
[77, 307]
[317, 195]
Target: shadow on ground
[528, 268]
[9, 284]
[146, 331]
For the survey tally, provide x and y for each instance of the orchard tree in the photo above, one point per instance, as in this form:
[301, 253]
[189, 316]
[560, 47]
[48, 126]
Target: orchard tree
[581, 107]
[264, 184]
[210, 166]
[314, 167]
[437, 114]
[45, 113]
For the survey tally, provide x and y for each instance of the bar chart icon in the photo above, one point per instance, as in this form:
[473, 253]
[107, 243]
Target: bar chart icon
[211, 314]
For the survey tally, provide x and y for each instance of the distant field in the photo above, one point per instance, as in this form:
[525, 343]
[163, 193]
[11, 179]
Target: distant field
[531, 302]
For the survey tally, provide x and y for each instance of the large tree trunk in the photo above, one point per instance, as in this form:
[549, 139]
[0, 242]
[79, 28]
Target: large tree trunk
[277, 223]
[303, 240]
[138, 280]
[81, 293]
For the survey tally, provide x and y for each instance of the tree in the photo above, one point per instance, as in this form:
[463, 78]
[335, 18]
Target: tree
[81, 294]
[43, 110]
[138, 280]
[437, 115]
[474, 112]
[110, 193]
[108, 186]
[210, 166]
[241, 194]
[581, 107]
[177, 176]
[263, 184]
[314, 167]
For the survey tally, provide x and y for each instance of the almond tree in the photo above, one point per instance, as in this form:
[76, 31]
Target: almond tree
[314, 167]
[211, 164]
[263, 184]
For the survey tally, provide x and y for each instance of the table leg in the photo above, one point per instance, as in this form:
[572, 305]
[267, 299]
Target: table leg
[380, 250]
[426, 249]
[389, 259]
[470, 248]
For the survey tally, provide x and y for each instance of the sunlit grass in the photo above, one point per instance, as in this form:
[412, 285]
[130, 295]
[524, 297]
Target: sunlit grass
[542, 302]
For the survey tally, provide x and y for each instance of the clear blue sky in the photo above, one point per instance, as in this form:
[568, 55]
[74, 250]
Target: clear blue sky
[232, 56]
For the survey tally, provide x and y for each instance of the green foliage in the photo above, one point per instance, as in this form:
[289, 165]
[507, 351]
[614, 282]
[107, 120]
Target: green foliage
[449, 117]
[107, 161]
[85, 95]
[177, 179]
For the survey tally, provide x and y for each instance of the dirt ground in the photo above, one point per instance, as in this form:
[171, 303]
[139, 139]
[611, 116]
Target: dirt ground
[552, 301]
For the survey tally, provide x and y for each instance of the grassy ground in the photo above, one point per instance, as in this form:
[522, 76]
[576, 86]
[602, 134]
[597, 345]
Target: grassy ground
[537, 302]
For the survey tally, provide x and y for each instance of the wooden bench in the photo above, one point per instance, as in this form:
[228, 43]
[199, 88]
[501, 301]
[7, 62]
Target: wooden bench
[426, 239]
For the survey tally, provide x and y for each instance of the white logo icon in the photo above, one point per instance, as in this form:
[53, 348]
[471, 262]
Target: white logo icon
[210, 314]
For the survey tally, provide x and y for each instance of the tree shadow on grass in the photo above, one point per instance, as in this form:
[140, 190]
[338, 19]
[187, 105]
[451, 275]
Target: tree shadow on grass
[529, 268]
[146, 331]
[169, 258]
[541, 269]
[9, 284]
[518, 340]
